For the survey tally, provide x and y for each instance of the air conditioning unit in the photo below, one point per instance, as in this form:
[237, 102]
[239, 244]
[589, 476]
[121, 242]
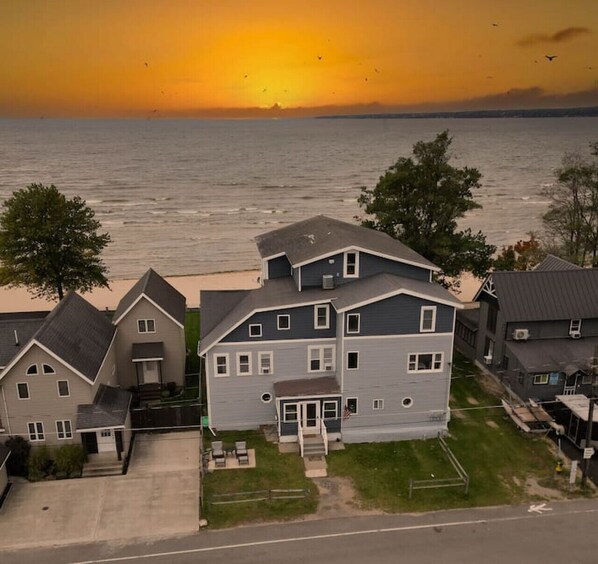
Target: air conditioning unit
[327, 282]
[265, 371]
[521, 334]
[575, 334]
[488, 359]
[328, 367]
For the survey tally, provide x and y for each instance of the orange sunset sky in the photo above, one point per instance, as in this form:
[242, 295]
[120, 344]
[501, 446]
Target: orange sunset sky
[242, 58]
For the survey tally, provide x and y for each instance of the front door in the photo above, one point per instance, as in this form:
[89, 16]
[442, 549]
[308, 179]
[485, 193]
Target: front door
[309, 415]
[571, 385]
[106, 441]
[151, 373]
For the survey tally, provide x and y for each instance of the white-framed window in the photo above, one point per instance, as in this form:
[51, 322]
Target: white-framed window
[255, 329]
[425, 362]
[266, 397]
[283, 322]
[322, 316]
[266, 362]
[146, 325]
[353, 323]
[378, 404]
[289, 412]
[32, 370]
[427, 319]
[407, 402]
[351, 406]
[47, 369]
[320, 358]
[541, 378]
[221, 364]
[351, 264]
[575, 326]
[64, 429]
[352, 360]
[106, 433]
[63, 388]
[244, 363]
[330, 409]
[36, 431]
[23, 390]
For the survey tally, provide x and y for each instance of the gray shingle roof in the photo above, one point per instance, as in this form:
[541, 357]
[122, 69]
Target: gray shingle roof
[325, 385]
[217, 306]
[143, 351]
[321, 235]
[282, 292]
[555, 263]
[25, 324]
[152, 285]
[547, 295]
[77, 333]
[109, 409]
[553, 355]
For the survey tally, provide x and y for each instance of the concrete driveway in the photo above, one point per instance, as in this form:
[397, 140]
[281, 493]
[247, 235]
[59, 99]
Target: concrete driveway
[159, 496]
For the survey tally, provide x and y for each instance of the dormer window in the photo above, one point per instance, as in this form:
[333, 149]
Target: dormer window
[575, 327]
[351, 263]
[255, 330]
[427, 319]
[321, 317]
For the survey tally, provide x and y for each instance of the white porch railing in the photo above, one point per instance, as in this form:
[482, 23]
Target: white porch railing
[300, 437]
[324, 436]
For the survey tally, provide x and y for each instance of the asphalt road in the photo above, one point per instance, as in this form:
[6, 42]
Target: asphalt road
[544, 533]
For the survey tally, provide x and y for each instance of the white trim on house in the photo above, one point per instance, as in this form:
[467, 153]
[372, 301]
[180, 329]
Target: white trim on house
[67, 435]
[356, 264]
[274, 341]
[265, 262]
[347, 365]
[45, 372]
[5, 410]
[36, 432]
[349, 315]
[36, 373]
[323, 412]
[356, 412]
[156, 359]
[106, 355]
[142, 295]
[369, 251]
[399, 292]
[422, 311]
[216, 373]
[300, 281]
[416, 370]
[96, 429]
[327, 323]
[402, 336]
[488, 287]
[321, 358]
[288, 316]
[260, 368]
[254, 325]
[146, 324]
[26, 384]
[379, 402]
[249, 356]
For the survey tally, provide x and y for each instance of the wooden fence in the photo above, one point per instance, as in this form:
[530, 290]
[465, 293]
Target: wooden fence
[165, 417]
[461, 480]
[259, 495]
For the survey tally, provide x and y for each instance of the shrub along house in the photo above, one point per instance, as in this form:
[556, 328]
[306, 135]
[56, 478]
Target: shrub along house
[536, 330]
[55, 385]
[150, 341]
[348, 337]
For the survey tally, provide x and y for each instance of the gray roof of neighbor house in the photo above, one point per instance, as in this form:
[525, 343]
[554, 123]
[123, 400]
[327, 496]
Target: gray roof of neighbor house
[321, 235]
[555, 263]
[109, 409]
[153, 286]
[282, 292]
[217, 306]
[77, 333]
[25, 325]
[547, 295]
[553, 355]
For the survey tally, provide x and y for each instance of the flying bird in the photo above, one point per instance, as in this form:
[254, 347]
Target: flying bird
[376, 70]
[319, 57]
[550, 57]
[245, 76]
[146, 64]
[494, 24]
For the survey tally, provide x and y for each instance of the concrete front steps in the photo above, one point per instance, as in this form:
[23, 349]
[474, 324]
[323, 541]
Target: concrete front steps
[314, 457]
[97, 468]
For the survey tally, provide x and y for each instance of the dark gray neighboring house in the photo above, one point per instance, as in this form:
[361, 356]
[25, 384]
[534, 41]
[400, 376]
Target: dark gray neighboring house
[348, 338]
[536, 330]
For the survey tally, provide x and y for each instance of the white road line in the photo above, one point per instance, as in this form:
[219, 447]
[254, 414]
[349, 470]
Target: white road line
[335, 535]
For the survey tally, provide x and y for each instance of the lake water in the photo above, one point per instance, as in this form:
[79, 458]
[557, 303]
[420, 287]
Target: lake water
[188, 196]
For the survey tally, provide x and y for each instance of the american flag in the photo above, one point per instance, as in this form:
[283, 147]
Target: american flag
[347, 412]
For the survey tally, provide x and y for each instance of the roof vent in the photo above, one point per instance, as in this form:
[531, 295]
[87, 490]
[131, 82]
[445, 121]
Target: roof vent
[327, 282]
[521, 334]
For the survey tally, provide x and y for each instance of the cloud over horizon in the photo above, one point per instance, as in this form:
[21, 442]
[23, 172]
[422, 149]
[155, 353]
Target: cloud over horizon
[561, 36]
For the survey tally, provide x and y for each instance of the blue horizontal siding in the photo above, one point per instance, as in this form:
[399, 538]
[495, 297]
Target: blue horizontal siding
[279, 267]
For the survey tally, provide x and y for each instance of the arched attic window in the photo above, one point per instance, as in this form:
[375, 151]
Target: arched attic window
[32, 370]
[47, 369]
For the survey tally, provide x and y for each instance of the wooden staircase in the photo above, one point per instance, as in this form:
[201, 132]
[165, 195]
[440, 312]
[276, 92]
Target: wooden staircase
[313, 445]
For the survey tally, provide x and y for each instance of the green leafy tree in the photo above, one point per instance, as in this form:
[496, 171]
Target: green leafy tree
[49, 243]
[571, 222]
[419, 200]
[523, 255]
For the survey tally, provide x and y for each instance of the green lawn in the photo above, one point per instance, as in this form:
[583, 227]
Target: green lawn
[191, 339]
[497, 457]
[273, 471]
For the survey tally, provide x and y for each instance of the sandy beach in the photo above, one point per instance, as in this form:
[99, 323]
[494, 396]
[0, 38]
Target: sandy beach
[19, 299]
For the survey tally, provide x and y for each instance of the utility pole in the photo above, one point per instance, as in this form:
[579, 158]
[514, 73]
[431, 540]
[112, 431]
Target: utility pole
[589, 429]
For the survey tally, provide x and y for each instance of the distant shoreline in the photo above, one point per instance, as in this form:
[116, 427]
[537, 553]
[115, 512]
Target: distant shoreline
[591, 111]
